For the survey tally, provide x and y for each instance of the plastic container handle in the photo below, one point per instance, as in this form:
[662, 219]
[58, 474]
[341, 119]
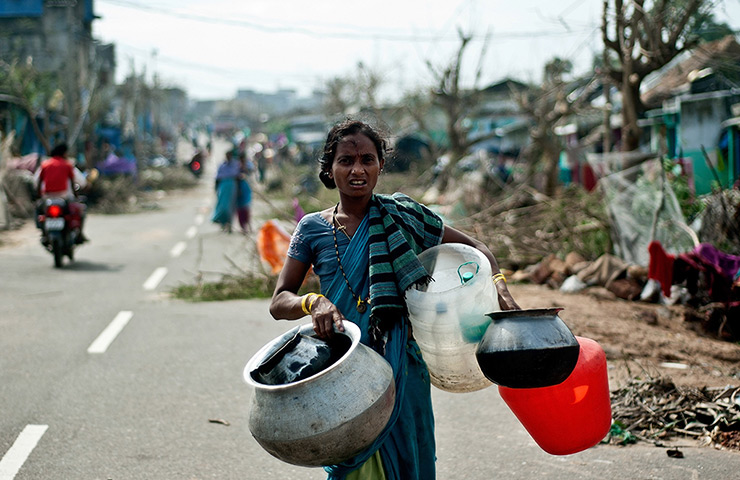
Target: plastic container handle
[467, 276]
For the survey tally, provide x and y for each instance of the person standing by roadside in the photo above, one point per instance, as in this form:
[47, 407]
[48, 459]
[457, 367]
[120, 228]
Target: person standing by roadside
[364, 250]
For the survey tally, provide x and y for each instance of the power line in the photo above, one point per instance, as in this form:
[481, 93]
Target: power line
[209, 69]
[262, 26]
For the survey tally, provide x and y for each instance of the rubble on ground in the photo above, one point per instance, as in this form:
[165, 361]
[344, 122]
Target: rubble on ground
[657, 410]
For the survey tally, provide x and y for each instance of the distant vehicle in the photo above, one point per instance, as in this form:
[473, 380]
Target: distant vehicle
[196, 163]
[61, 228]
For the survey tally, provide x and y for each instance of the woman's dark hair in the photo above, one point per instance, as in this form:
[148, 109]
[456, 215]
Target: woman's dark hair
[59, 151]
[336, 134]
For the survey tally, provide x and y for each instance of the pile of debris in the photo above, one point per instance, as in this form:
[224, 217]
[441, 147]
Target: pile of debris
[711, 299]
[560, 242]
[18, 193]
[657, 410]
[524, 226]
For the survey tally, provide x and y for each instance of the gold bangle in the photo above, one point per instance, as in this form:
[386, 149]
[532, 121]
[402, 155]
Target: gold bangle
[498, 277]
[310, 305]
[303, 303]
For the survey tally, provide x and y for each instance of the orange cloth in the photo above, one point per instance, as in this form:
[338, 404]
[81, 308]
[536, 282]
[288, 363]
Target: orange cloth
[272, 243]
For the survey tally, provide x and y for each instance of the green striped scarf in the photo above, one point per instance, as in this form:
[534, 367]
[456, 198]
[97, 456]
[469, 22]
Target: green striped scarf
[400, 229]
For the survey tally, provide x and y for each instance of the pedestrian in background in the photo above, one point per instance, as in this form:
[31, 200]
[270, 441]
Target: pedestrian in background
[244, 193]
[227, 176]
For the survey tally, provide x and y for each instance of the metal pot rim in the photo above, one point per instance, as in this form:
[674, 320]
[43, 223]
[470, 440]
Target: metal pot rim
[350, 329]
[526, 313]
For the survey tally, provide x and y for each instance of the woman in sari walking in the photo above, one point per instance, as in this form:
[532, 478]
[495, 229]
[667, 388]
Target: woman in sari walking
[364, 250]
[227, 177]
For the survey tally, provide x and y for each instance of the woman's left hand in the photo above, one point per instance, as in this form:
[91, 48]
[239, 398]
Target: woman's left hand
[505, 300]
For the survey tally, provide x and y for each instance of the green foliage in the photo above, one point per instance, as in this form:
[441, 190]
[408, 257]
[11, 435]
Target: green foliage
[618, 433]
[590, 244]
[167, 178]
[705, 26]
[690, 207]
[24, 82]
[122, 194]
[584, 215]
[238, 288]
[229, 288]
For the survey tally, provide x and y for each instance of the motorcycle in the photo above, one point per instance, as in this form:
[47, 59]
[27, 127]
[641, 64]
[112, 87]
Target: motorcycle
[60, 223]
[196, 164]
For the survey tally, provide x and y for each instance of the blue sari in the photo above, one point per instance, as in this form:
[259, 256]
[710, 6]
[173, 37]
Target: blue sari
[226, 192]
[384, 249]
[244, 199]
[406, 445]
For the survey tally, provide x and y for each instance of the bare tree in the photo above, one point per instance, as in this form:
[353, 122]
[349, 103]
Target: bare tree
[354, 92]
[337, 97]
[642, 37]
[456, 102]
[547, 105]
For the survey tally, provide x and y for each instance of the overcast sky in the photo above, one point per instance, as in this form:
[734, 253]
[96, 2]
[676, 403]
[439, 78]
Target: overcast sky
[212, 48]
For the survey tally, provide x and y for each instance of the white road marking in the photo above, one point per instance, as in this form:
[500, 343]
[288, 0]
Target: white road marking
[178, 249]
[199, 219]
[101, 344]
[154, 279]
[14, 458]
[191, 232]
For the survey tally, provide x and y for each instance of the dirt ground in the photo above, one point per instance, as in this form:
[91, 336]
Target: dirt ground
[640, 339]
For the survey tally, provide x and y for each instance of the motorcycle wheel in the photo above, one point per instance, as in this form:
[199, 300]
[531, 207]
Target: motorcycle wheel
[57, 250]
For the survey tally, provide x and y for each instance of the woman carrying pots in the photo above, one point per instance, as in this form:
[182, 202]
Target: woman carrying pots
[364, 250]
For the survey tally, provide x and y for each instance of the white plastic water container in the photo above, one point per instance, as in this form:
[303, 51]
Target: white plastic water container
[449, 315]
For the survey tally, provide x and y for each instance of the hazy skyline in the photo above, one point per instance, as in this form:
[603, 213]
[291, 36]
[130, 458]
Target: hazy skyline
[212, 49]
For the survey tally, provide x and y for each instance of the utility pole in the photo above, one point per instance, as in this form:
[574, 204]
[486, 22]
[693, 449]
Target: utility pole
[606, 87]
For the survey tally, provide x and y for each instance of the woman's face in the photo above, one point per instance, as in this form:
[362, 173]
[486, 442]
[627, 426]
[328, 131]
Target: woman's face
[356, 165]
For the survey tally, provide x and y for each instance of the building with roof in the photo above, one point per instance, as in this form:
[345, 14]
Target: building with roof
[693, 109]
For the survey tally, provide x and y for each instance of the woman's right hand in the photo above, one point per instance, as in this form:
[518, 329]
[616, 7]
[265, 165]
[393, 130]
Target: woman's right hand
[325, 316]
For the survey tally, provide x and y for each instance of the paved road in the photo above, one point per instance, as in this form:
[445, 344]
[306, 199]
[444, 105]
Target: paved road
[138, 404]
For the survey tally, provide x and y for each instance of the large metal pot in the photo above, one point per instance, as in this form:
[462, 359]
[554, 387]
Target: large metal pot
[328, 417]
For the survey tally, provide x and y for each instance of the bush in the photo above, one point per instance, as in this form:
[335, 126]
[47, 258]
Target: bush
[121, 193]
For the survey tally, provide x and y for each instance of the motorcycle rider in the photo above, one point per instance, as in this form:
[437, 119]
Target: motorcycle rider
[56, 178]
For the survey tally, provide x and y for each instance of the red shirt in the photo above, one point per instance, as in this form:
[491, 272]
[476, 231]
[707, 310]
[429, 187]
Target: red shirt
[57, 175]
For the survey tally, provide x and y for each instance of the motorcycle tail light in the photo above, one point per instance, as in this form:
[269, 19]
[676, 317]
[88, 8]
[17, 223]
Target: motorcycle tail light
[196, 166]
[54, 211]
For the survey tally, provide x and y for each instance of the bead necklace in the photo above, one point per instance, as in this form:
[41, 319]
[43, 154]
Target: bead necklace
[361, 304]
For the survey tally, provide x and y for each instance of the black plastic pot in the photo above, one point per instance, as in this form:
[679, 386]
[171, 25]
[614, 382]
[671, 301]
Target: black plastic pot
[527, 348]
